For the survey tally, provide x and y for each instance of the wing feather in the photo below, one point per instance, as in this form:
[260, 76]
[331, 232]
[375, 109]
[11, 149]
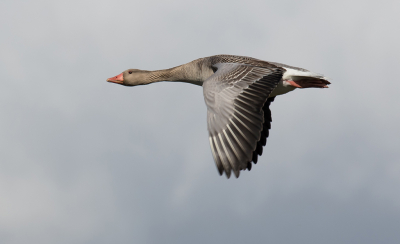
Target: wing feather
[238, 122]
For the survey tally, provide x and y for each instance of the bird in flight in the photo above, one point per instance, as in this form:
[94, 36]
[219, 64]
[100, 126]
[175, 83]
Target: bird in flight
[237, 91]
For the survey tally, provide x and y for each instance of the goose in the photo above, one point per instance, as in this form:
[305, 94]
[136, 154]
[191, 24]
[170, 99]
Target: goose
[238, 91]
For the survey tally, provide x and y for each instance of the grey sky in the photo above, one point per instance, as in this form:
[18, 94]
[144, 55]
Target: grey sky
[86, 161]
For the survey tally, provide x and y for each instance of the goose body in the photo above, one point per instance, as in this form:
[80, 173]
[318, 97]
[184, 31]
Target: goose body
[238, 92]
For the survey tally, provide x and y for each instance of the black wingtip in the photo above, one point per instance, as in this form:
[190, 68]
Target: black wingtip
[259, 149]
[255, 157]
[249, 164]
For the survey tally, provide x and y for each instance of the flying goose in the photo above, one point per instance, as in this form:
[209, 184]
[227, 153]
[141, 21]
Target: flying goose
[238, 91]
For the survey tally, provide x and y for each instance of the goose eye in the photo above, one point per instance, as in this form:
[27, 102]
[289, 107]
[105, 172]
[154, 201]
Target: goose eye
[130, 72]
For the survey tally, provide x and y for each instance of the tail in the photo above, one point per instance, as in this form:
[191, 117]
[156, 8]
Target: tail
[294, 74]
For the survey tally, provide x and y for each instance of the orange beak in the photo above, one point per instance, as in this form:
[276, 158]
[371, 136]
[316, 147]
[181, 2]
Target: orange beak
[119, 79]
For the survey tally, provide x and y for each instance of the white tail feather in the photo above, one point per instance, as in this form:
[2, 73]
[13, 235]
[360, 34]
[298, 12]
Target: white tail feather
[292, 74]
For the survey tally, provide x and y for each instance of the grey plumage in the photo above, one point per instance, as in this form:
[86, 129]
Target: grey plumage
[238, 92]
[235, 96]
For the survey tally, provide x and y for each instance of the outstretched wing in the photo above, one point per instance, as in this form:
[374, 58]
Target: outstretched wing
[235, 96]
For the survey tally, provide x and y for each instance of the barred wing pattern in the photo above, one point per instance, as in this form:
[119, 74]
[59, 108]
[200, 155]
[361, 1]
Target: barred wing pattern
[235, 96]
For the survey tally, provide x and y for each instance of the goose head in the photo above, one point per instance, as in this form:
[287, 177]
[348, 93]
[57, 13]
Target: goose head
[131, 77]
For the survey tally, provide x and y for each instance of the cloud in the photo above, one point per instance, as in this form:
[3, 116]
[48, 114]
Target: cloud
[85, 161]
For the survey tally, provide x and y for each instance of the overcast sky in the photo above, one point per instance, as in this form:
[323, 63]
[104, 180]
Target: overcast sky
[86, 161]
